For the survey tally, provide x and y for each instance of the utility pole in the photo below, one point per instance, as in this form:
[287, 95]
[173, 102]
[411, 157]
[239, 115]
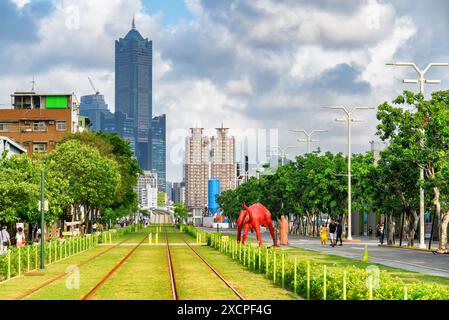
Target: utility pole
[308, 140]
[422, 80]
[349, 119]
[42, 264]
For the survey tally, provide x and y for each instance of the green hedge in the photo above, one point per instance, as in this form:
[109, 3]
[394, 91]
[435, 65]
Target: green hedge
[361, 284]
[28, 258]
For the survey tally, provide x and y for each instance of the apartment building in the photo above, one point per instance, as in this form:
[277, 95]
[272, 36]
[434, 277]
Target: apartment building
[38, 121]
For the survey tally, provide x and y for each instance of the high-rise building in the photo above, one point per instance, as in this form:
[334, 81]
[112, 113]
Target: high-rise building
[223, 163]
[147, 190]
[158, 150]
[95, 108]
[133, 92]
[178, 194]
[196, 170]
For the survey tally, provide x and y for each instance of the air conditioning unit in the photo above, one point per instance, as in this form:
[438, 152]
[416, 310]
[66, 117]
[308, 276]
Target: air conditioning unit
[27, 130]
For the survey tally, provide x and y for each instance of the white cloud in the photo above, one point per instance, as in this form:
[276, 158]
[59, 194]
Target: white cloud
[251, 64]
[21, 3]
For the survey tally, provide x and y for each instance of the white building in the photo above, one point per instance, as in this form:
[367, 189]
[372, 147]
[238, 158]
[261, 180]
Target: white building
[147, 190]
[11, 146]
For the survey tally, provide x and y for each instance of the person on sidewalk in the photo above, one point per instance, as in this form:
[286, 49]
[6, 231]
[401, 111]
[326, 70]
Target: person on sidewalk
[20, 238]
[5, 240]
[333, 233]
[381, 234]
[339, 233]
[324, 234]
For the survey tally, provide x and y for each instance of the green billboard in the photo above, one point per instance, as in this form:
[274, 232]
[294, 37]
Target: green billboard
[56, 102]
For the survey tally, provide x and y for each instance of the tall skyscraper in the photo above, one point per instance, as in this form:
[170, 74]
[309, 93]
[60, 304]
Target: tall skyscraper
[133, 92]
[158, 150]
[95, 108]
[223, 164]
[196, 171]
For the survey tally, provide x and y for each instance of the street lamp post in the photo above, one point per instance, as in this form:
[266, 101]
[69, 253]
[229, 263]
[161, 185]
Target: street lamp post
[42, 264]
[422, 80]
[308, 140]
[349, 119]
[283, 152]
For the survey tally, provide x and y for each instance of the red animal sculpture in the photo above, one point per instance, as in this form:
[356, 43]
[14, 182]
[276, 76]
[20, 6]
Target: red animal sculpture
[253, 218]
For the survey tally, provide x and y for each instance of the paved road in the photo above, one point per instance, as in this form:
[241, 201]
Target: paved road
[412, 260]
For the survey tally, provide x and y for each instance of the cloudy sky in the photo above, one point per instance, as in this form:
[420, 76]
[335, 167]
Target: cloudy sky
[262, 67]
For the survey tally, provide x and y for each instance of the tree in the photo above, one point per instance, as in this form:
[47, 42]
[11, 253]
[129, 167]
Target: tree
[181, 212]
[420, 138]
[93, 179]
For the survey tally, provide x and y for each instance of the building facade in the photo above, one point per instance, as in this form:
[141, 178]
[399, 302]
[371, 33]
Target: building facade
[223, 162]
[159, 150]
[39, 121]
[133, 92]
[178, 194]
[95, 108]
[196, 170]
[147, 190]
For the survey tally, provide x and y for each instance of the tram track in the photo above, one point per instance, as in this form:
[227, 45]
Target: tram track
[62, 274]
[117, 266]
[215, 271]
[174, 291]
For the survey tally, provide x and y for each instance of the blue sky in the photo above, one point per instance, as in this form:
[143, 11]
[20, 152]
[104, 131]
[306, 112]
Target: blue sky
[255, 65]
[172, 10]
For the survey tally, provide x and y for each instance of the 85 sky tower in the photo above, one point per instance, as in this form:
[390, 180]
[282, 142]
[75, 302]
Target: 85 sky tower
[133, 92]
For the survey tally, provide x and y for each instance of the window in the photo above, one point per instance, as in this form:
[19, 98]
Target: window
[39, 126]
[39, 147]
[4, 126]
[61, 126]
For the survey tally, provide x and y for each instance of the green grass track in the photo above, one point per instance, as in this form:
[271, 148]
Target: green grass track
[145, 274]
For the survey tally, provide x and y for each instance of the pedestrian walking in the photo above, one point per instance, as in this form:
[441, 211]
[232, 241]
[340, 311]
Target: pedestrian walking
[381, 233]
[324, 230]
[339, 233]
[5, 240]
[20, 238]
[333, 233]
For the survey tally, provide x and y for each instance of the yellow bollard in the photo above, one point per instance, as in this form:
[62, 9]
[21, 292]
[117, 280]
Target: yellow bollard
[110, 238]
[28, 258]
[149, 238]
[20, 262]
[157, 238]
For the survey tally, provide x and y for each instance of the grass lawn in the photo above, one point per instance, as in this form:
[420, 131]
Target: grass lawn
[194, 279]
[144, 276]
[251, 285]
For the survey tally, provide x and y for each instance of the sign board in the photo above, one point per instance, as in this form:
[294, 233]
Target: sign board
[56, 102]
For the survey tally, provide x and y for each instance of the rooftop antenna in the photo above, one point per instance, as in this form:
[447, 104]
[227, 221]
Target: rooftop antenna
[33, 84]
[133, 25]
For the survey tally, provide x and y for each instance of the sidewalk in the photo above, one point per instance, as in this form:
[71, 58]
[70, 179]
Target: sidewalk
[412, 260]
